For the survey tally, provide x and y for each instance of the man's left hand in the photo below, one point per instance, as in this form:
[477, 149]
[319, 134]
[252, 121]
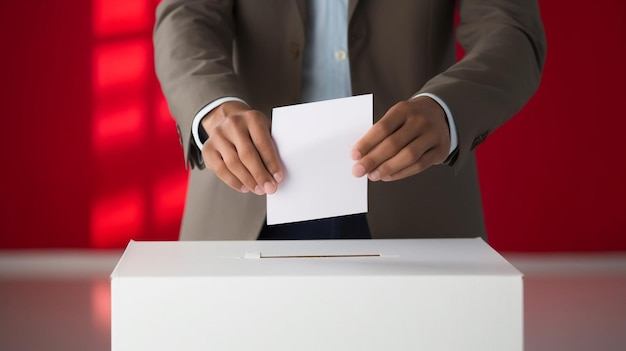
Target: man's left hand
[412, 136]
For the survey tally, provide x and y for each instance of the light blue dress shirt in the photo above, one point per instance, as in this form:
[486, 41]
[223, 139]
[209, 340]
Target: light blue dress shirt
[326, 64]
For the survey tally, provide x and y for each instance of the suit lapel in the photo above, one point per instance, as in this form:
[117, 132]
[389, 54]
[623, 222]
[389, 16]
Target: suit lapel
[351, 7]
[301, 5]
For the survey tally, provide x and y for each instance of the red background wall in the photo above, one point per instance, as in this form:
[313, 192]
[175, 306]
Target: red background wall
[90, 157]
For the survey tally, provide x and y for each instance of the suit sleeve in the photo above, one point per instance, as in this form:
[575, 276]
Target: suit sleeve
[505, 49]
[193, 47]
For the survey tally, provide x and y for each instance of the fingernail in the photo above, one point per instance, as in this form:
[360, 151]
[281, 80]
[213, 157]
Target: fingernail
[269, 188]
[355, 155]
[258, 190]
[244, 189]
[278, 177]
[374, 176]
[358, 171]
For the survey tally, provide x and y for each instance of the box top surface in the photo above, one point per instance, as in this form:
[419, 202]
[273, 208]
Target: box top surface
[388, 257]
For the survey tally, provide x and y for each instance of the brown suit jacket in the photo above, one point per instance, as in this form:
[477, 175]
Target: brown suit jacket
[207, 49]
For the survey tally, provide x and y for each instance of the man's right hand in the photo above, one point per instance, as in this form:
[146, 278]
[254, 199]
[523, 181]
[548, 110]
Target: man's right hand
[240, 149]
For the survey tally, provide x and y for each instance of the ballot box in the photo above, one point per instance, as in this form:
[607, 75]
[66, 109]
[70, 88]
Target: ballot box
[406, 294]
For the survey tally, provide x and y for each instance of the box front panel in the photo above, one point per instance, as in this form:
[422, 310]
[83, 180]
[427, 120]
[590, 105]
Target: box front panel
[313, 313]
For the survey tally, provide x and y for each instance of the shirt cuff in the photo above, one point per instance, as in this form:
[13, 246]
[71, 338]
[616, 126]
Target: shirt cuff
[454, 139]
[195, 124]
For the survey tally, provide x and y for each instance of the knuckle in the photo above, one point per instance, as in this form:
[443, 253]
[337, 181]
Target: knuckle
[403, 108]
[220, 169]
[400, 106]
[413, 154]
[395, 144]
[384, 169]
[254, 116]
[368, 163]
[232, 122]
[230, 159]
[385, 127]
[264, 143]
[416, 121]
[209, 150]
[246, 152]
[210, 157]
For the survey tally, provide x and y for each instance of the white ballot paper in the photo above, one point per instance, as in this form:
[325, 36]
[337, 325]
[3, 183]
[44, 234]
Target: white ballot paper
[314, 142]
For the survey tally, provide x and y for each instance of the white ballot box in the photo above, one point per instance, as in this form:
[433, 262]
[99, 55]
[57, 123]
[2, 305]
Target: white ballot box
[406, 294]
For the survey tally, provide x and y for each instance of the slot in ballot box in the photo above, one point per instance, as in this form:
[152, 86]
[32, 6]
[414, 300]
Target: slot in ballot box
[405, 294]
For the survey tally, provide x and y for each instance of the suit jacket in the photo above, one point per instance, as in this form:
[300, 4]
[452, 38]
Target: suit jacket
[207, 49]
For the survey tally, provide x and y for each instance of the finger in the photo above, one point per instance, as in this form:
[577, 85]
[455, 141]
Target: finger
[229, 155]
[232, 141]
[388, 148]
[264, 143]
[377, 160]
[215, 163]
[427, 160]
[401, 158]
[249, 157]
[249, 132]
[379, 131]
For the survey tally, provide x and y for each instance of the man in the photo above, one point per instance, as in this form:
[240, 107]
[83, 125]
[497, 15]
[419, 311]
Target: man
[224, 65]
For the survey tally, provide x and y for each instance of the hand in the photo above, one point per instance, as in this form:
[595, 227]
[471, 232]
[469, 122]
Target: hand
[240, 149]
[412, 136]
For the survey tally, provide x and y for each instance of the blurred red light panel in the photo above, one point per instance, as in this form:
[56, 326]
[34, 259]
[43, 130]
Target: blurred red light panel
[117, 219]
[114, 17]
[169, 198]
[120, 126]
[121, 64]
